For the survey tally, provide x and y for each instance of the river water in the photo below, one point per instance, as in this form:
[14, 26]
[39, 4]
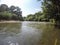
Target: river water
[29, 33]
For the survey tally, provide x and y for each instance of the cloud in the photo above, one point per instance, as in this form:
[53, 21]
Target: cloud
[12, 2]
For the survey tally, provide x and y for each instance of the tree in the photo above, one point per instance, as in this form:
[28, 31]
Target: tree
[5, 15]
[10, 13]
[29, 17]
[3, 7]
[51, 9]
[38, 16]
[17, 11]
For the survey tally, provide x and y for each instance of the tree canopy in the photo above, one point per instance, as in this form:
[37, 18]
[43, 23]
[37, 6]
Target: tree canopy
[10, 13]
[50, 11]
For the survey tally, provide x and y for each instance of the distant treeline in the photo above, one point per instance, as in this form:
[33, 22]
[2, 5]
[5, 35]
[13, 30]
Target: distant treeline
[10, 13]
[36, 17]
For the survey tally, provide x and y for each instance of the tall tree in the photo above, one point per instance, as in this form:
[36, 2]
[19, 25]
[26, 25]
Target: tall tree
[10, 13]
[51, 9]
[3, 7]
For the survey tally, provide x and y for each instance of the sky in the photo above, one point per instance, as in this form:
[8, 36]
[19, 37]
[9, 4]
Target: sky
[27, 6]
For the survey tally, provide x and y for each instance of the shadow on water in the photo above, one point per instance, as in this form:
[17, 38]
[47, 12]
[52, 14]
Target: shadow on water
[50, 35]
[57, 26]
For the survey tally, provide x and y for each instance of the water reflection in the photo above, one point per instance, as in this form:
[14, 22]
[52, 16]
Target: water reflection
[49, 34]
[18, 34]
[8, 30]
[10, 27]
[29, 33]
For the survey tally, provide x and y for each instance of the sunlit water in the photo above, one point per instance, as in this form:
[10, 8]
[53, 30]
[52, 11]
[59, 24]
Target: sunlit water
[26, 33]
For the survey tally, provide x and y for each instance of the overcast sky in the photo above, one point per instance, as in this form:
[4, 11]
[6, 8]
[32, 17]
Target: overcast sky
[27, 6]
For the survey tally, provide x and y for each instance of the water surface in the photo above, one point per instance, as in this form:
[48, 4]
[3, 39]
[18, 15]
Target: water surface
[29, 33]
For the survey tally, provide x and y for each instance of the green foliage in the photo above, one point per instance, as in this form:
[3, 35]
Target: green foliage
[51, 9]
[50, 12]
[39, 16]
[10, 13]
[29, 17]
[3, 7]
[5, 15]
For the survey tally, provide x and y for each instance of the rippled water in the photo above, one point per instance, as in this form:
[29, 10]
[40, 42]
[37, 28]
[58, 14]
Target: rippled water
[28, 33]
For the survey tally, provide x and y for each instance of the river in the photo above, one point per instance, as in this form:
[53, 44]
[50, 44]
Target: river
[29, 33]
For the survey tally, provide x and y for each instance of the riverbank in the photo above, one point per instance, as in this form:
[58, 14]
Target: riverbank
[10, 21]
[20, 21]
[14, 21]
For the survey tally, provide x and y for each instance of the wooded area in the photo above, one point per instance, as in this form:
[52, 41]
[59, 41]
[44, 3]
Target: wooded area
[10, 13]
[50, 12]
